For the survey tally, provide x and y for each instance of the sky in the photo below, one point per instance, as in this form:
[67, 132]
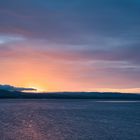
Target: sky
[70, 45]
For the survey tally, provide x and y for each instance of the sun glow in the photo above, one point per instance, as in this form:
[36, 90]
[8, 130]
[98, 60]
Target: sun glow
[38, 88]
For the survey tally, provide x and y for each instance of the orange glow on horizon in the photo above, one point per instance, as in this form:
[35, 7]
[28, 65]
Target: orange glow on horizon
[30, 68]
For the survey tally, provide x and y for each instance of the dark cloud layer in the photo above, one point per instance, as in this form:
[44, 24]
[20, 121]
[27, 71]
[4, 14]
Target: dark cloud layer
[75, 22]
[77, 31]
[69, 21]
[12, 88]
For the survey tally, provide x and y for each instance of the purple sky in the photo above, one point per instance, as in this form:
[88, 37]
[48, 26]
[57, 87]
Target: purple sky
[70, 45]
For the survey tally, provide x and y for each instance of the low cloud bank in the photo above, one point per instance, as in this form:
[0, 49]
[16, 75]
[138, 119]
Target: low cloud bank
[12, 88]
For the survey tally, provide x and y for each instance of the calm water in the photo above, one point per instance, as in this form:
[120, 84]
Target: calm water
[69, 120]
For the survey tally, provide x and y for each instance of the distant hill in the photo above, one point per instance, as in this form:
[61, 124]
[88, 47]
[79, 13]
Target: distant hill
[68, 95]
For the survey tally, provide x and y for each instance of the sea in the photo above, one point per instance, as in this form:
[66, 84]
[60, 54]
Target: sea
[69, 119]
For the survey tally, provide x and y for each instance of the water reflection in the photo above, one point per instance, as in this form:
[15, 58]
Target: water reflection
[68, 120]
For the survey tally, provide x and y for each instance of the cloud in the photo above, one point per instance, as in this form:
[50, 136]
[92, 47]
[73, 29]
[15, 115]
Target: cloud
[101, 28]
[12, 88]
[71, 21]
[6, 39]
[89, 40]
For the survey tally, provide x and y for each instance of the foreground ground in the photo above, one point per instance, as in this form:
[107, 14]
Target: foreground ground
[69, 120]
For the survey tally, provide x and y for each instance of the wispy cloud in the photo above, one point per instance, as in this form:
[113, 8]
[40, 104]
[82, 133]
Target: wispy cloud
[90, 43]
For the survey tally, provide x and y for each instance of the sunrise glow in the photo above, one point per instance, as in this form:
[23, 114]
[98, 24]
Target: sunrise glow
[60, 49]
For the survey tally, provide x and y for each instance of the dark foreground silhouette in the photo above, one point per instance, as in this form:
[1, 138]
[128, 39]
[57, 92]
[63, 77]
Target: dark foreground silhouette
[69, 95]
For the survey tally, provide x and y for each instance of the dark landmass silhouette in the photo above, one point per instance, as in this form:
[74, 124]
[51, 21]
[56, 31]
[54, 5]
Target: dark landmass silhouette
[5, 94]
